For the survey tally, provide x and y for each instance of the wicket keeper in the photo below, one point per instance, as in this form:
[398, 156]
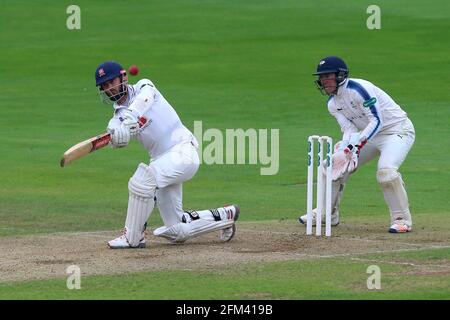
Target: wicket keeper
[373, 126]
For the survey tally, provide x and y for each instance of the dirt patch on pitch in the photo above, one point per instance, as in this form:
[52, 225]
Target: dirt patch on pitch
[48, 256]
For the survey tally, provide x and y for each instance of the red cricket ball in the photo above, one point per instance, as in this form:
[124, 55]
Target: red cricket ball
[133, 70]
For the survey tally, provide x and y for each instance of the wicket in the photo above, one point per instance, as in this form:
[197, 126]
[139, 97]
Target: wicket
[323, 177]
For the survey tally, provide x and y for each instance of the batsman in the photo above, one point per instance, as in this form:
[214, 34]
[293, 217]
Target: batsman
[373, 126]
[140, 112]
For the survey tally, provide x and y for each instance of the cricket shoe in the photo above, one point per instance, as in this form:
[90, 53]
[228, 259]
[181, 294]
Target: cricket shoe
[122, 242]
[232, 213]
[399, 226]
[334, 218]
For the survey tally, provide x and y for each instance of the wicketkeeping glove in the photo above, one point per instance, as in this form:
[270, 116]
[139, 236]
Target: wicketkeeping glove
[346, 159]
[353, 152]
[341, 162]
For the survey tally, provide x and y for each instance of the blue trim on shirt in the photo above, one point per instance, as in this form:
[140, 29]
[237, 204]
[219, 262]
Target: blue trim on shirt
[366, 96]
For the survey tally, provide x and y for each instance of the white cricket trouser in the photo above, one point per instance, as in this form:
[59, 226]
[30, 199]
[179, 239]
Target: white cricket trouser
[172, 168]
[392, 145]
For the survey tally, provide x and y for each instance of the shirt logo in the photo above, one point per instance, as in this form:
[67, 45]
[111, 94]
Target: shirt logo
[370, 102]
[101, 72]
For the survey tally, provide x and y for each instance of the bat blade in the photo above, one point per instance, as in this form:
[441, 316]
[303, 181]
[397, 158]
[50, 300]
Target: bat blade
[84, 148]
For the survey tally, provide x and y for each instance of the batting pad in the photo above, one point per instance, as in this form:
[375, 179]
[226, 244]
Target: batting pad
[181, 232]
[142, 186]
[394, 192]
[213, 214]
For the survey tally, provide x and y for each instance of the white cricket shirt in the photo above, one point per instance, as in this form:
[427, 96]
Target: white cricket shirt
[163, 128]
[360, 106]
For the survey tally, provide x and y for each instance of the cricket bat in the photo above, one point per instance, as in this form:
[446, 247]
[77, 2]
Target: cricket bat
[84, 148]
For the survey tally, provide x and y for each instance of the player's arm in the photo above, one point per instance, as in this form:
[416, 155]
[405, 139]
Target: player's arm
[343, 159]
[371, 106]
[133, 117]
[373, 113]
[347, 153]
[357, 140]
[145, 97]
[347, 127]
[143, 101]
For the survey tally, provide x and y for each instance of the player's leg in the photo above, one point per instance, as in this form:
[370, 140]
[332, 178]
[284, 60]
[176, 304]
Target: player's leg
[219, 215]
[172, 169]
[369, 152]
[196, 223]
[142, 186]
[169, 202]
[394, 149]
[337, 191]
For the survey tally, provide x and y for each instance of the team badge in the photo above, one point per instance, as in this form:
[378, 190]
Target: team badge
[101, 72]
[370, 102]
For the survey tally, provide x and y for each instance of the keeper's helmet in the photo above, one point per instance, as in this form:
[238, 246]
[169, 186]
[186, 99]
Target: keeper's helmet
[108, 71]
[332, 65]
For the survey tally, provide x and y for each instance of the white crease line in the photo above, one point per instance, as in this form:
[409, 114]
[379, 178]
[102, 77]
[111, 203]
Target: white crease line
[402, 263]
[336, 237]
[372, 252]
[105, 233]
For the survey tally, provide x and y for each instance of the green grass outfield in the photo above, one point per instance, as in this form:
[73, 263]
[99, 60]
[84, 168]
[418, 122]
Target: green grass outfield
[230, 64]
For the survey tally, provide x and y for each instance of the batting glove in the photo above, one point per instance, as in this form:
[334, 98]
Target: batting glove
[120, 136]
[131, 122]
